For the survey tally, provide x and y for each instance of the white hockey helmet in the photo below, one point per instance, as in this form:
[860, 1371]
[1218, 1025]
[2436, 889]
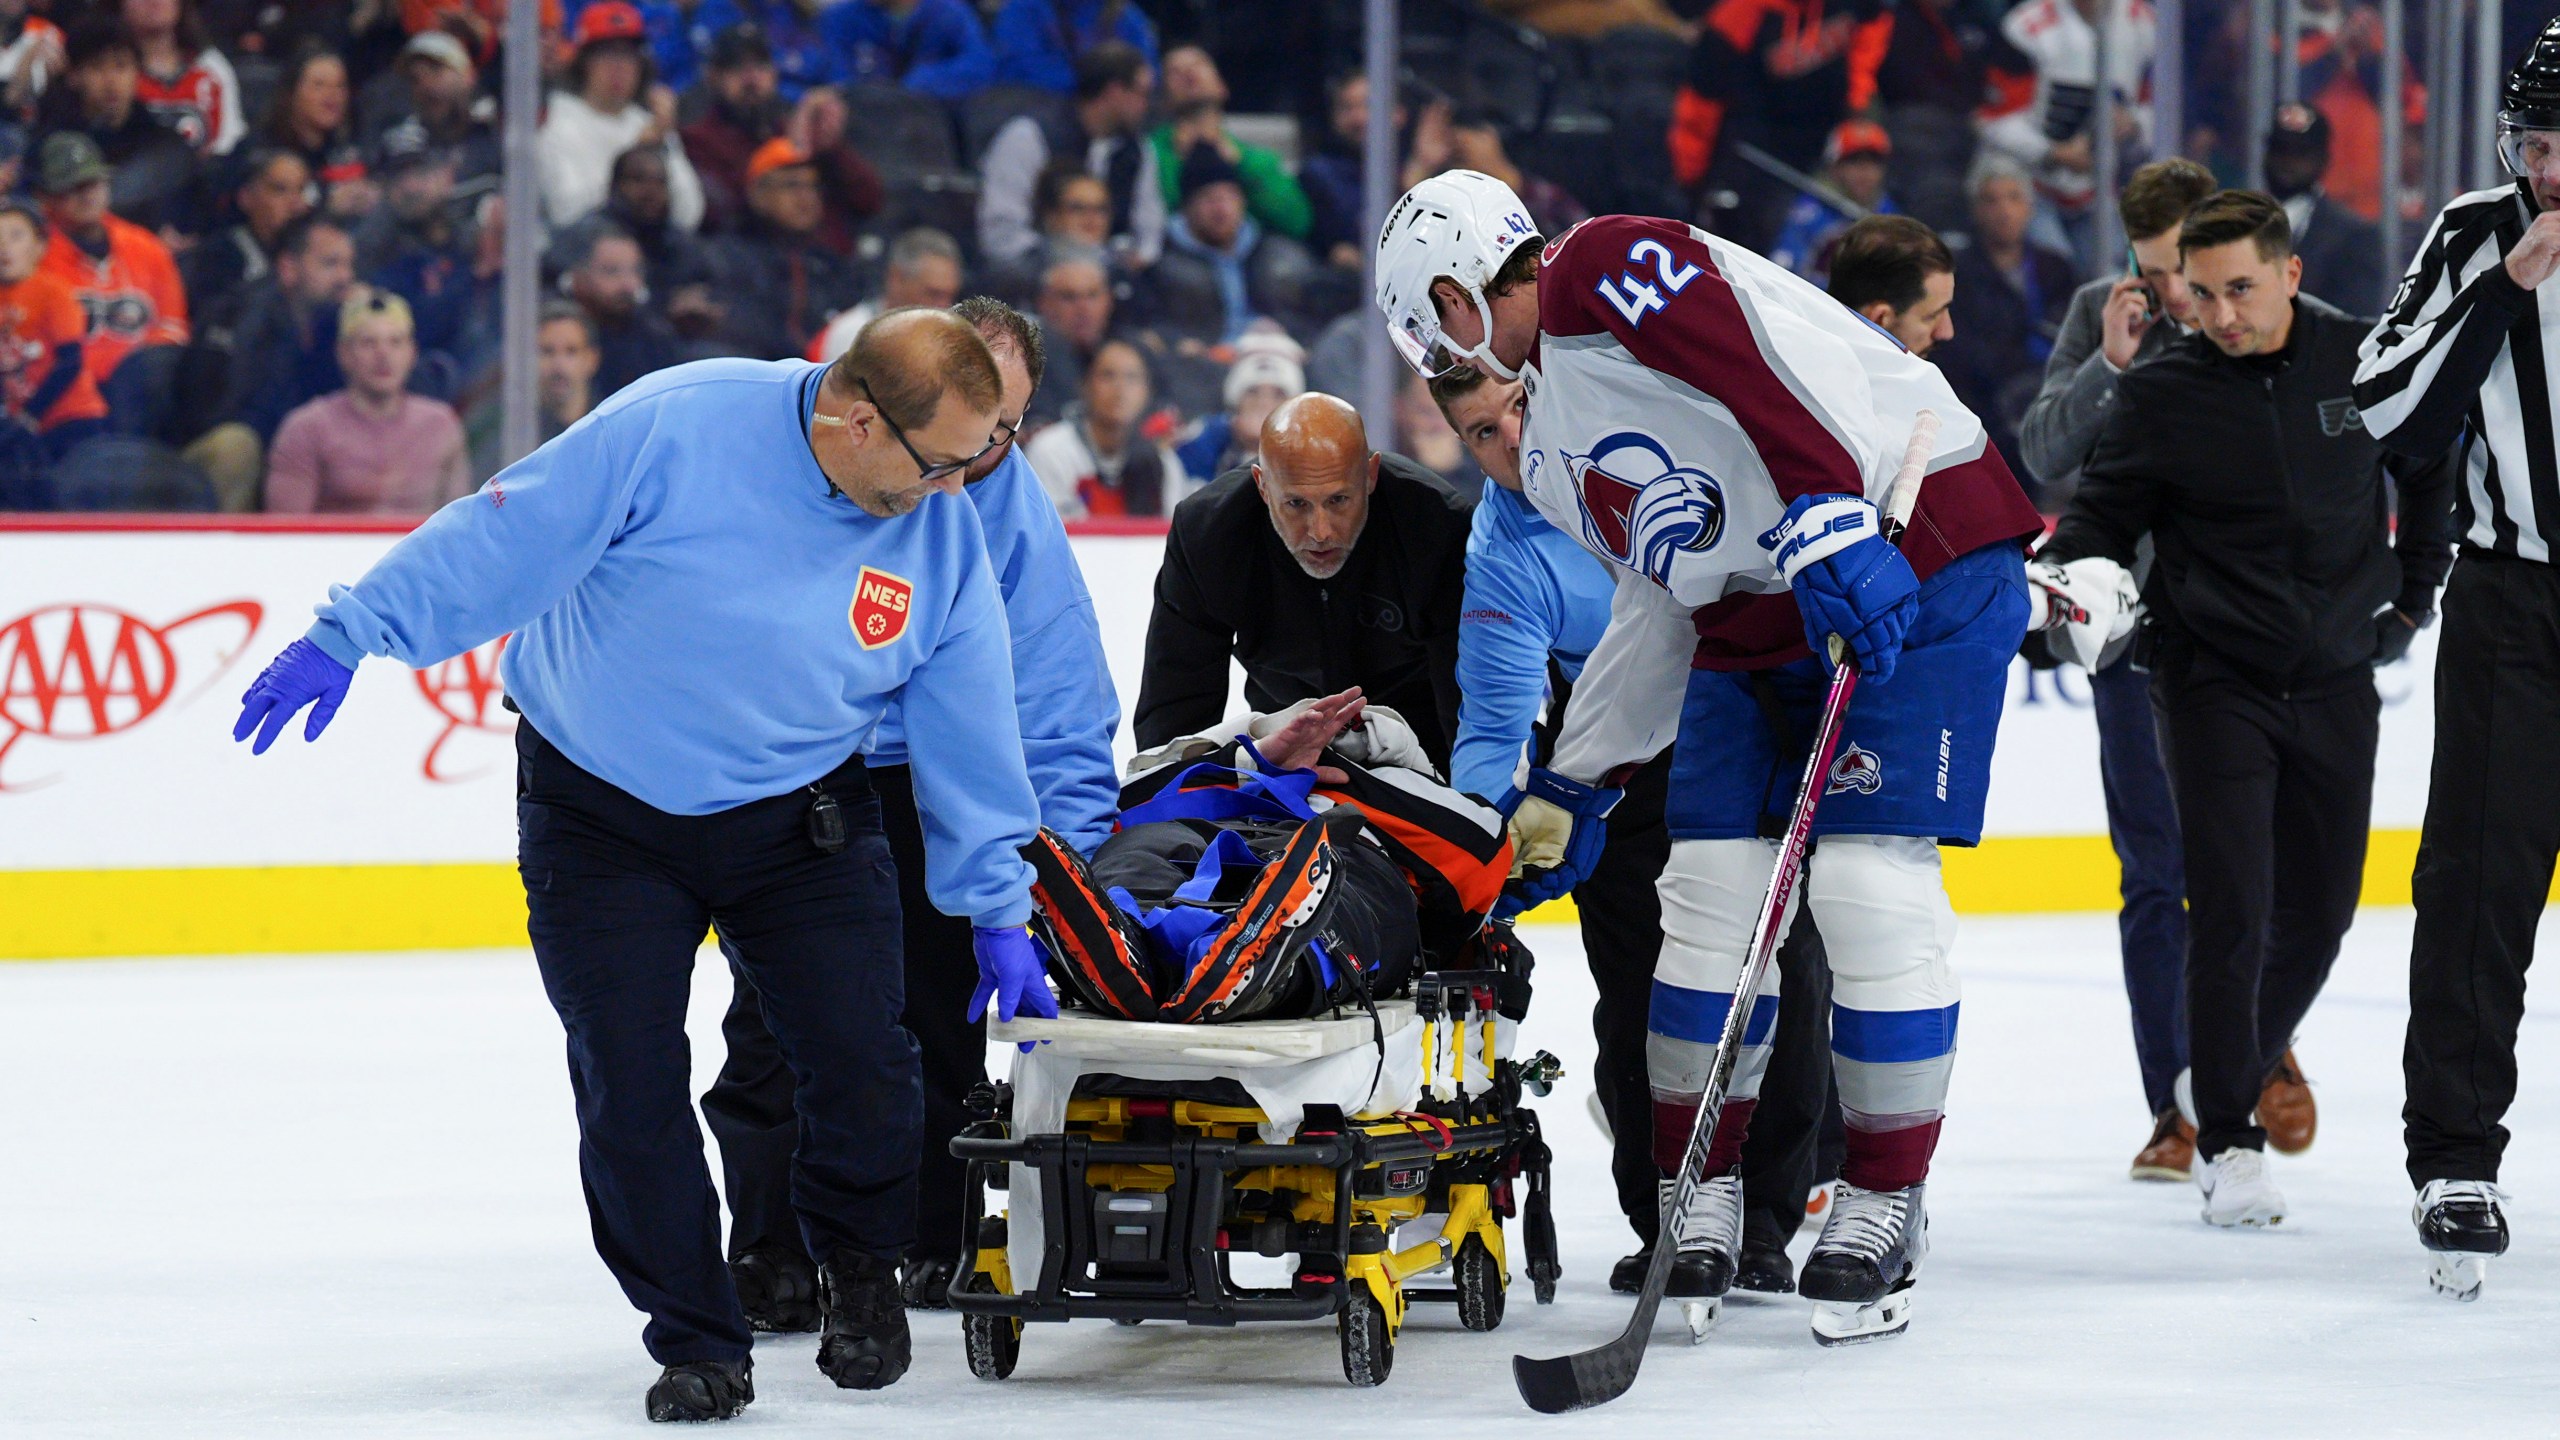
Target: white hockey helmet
[1459, 225]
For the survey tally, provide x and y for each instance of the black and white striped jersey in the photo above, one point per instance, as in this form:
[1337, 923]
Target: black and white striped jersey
[2465, 353]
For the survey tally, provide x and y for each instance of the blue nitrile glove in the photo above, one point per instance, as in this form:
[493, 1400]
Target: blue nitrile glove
[1848, 579]
[1013, 973]
[303, 675]
[1558, 829]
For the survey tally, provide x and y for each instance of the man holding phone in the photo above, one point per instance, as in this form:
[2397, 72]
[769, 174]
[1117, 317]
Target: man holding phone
[2112, 326]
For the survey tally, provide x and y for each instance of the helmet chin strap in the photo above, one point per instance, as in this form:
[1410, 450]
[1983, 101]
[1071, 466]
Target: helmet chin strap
[1484, 348]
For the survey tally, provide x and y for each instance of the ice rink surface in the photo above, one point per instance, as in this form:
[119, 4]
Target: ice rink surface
[337, 1197]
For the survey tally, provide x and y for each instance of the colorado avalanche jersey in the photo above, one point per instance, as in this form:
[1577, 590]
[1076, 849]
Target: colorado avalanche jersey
[1683, 392]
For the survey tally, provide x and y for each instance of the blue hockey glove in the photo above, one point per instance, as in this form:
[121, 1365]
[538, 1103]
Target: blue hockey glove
[1848, 580]
[1012, 973]
[304, 674]
[1557, 832]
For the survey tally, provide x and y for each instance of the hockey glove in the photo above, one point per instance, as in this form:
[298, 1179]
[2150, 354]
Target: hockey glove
[2393, 631]
[1847, 579]
[304, 674]
[2091, 601]
[1011, 972]
[1557, 832]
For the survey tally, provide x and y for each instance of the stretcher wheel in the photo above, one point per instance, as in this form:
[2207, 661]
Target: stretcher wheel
[1368, 1347]
[1479, 1278]
[994, 1341]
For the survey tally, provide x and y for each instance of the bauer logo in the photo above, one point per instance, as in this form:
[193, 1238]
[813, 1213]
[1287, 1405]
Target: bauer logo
[466, 691]
[85, 671]
[880, 604]
[1857, 770]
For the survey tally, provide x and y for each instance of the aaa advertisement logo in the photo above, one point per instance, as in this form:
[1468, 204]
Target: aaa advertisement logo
[466, 691]
[85, 671]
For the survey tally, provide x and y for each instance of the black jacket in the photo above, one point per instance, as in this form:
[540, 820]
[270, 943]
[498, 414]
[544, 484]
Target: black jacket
[1386, 622]
[2264, 493]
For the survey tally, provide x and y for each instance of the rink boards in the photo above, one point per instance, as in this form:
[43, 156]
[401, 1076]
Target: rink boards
[130, 823]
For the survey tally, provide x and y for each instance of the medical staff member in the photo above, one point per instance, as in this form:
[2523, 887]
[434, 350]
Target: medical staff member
[717, 582]
[1067, 713]
[1536, 602]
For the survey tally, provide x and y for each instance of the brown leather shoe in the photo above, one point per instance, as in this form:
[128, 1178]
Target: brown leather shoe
[2171, 1155]
[2286, 1111]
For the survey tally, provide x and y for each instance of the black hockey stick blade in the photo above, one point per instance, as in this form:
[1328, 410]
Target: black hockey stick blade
[1579, 1381]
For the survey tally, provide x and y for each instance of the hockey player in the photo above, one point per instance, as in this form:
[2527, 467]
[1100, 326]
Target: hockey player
[1719, 431]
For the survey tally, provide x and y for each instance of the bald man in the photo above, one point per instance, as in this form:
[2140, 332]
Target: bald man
[1323, 566]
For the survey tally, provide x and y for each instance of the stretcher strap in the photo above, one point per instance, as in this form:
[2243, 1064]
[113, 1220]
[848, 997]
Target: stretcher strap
[1214, 792]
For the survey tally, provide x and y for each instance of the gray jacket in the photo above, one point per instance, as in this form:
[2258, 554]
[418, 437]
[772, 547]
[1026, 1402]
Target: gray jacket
[2079, 392]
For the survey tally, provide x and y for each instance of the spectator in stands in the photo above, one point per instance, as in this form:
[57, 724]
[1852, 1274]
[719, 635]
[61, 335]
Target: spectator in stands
[612, 104]
[1196, 96]
[933, 47]
[1043, 43]
[1854, 162]
[1075, 308]
[1928, 85]
[679, 34]
[31, 57]
[2341, 255]
[240, 380]
[420, 245]
[2042, 111]
[1331, 173]
[2014, 295]
[1261, 378]
[1899, 274]
[445, 107]
[923, 271]
[565, 370]
[778, 284]
[187, 84]
[641, 205]
[309, 117]
[1098, 460]
[1425, 435]
[274, 191]
[1220, 271]
[13, 158]
[372, 448]
[1104, 127]
[1075, 208]
[747, 112]
[608, 280]
[155, 180]
[1778, 75]
[120, 272]
[47, 388]
[1475, 140]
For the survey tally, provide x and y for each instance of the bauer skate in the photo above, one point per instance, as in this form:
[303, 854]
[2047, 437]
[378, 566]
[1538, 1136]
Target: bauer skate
[1708, 1237]
[2460, 1223]
[1860, 1273]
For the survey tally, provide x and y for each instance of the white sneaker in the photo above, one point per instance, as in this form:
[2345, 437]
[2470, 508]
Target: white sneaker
[2237, 1190]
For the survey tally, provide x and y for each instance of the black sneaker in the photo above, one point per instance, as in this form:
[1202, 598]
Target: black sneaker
[1765, 1270]
[778, 1289]
[1095, 948]
[926, 1283]
[702, 1390]
[1690, 1278]
[864, 1344]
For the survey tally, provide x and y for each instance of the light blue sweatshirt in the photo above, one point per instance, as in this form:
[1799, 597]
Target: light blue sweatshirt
[687, 594]
[1062, 694]
[1532, 592]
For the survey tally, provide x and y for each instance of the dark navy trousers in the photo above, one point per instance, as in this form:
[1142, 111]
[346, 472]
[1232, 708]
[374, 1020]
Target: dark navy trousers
[620, 895]
[2151, 928]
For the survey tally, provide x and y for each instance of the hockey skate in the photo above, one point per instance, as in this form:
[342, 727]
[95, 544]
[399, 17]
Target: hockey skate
[2461, 1225]
[1095, 947]
[1708, 1236]
[1860, 1273]
[2237, 1191]
[1253, 953]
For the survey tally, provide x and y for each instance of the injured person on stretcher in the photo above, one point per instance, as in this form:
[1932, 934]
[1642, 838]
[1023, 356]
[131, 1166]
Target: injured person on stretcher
[1276, 867]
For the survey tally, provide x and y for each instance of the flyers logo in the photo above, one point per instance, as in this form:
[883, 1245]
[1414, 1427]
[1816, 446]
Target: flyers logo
[880, 605]
[86, 671]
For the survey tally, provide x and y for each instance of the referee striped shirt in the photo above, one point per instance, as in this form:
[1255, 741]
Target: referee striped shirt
[2464, 355]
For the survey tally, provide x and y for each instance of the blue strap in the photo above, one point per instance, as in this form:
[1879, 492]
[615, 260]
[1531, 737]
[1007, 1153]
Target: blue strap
[1214, 792]
[1179, 932]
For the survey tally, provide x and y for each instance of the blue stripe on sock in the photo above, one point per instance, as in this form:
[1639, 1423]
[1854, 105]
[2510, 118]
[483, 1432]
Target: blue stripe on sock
[1889, 1037]
[1698, 1015]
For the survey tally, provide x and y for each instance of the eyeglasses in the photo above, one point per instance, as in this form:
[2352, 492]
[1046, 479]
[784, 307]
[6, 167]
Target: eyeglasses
[926, 470]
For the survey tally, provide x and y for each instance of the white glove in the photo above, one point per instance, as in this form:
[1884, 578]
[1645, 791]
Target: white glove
[2091, 600]
[1539, 833]
[1383, 739]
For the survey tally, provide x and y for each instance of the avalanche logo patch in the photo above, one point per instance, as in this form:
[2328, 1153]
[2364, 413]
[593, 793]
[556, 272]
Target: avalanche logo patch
[1857, 770]
[1641, 506]
[881, 602]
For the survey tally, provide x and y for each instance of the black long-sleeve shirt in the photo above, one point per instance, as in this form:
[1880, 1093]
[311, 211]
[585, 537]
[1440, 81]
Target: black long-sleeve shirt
[2265, 496]
[1387, 621]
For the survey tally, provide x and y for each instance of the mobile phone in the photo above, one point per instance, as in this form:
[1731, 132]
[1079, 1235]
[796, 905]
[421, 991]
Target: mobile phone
[2133, 271]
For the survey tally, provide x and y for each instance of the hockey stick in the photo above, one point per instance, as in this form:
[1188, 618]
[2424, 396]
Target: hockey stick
[1598, 1376]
